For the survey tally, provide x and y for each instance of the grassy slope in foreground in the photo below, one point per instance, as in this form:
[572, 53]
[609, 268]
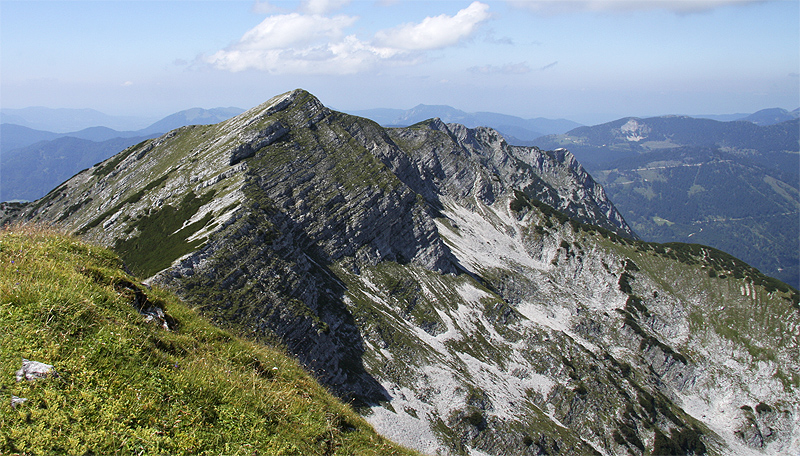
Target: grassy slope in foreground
[126, 385]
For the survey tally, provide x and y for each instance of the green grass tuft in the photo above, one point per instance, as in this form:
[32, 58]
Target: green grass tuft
[163, 228]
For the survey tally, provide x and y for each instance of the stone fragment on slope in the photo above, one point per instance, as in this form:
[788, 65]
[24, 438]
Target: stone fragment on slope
[31, 370]
[15, 401]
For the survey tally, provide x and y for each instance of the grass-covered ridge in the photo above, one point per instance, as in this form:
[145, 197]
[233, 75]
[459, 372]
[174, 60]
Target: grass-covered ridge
[128, 386]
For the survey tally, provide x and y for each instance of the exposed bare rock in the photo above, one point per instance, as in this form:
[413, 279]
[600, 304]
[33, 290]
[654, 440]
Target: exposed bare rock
[32, 370]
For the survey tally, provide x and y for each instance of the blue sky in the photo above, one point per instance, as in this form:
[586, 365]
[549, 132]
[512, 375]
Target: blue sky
[589, 61]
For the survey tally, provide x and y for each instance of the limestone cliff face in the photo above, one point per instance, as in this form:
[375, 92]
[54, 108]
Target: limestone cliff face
[455, 161]
[468, 295]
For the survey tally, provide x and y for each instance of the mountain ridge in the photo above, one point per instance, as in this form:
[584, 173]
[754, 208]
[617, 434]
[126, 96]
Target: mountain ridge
[456, 288]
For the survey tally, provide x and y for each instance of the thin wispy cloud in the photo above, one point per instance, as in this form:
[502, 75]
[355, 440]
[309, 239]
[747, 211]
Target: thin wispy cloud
[312, 42]
[509, 68]
[548, 66]
[264, 7]
[322, 6]
[490, 37]
[676, 6]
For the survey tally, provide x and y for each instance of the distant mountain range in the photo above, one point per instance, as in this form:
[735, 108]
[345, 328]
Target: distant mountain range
[30, 172]
[32, 162]
[194, 116]
[68, 121]
[522, 132]
[14, 137]
[768, 116]
[64, 120]
[630, 136]
[730, 185]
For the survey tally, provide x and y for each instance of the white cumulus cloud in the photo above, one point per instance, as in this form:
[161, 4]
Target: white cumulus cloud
[292, 43]
[435, 32]
[287, 30]
[315, 43]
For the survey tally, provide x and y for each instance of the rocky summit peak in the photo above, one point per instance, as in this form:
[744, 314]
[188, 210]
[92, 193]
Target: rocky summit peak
[467, 295]
[282, 102]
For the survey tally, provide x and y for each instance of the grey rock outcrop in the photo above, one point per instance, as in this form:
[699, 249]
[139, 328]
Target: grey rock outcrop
[257, 140]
